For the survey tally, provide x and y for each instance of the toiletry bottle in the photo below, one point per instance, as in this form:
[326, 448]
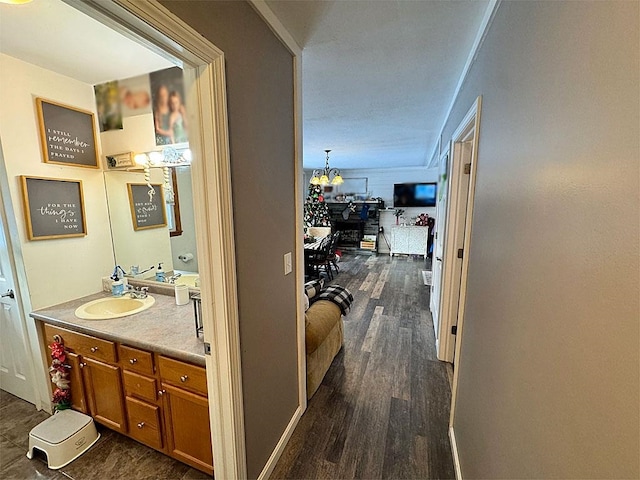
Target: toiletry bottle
[160, 273]
[117, 288]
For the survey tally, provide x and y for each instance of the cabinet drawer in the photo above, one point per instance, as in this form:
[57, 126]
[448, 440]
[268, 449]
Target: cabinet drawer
[144, 422]
[135, 359]
[183, 375]
[140, 386]
[82, 344]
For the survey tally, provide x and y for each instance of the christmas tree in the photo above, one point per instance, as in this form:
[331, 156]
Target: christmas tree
[316, 212]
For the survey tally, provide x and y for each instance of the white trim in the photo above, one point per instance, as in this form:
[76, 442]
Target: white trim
[472, 118]
[454, 452]
[277, 27]
[282, 443]
[29, 333]
[211, 176]
[487, 20]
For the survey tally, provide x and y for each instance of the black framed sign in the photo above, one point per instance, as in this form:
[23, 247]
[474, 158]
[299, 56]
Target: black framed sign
[147, 206]
[67, 134]
[53, 208]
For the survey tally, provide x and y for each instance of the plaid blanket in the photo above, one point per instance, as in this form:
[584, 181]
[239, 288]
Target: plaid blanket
[338, 295]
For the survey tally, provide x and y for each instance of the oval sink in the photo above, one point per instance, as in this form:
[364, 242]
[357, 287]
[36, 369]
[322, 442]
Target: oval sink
[188, 279]
[113, 307]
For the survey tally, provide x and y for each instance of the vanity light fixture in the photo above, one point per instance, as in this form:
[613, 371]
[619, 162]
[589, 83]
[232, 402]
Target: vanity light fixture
[168, 157]
[16, 2]
[327, 176]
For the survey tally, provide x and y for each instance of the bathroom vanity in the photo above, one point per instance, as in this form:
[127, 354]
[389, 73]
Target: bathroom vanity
[142, 375]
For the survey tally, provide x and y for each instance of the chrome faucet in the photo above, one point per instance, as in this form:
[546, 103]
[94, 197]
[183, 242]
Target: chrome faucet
[135, 292]
[173, 278]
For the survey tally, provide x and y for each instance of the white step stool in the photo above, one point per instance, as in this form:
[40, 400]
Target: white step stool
[63, 437]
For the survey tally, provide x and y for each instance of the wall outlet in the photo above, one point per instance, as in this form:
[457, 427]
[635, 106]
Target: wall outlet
[288, 265]
[106, 284]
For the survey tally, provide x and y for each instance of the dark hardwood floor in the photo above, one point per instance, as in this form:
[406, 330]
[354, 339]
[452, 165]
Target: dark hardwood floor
[382, 411]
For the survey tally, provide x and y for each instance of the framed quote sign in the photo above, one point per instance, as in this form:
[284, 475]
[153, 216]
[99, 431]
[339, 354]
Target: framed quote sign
[53, 208]
[67, 135]
[147, 206]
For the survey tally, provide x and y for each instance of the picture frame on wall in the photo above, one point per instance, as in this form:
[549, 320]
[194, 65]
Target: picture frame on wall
[147, 209]
[67, 134]
[53, 208]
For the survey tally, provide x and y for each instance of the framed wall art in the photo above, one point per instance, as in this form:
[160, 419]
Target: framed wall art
[53, 208]
[67, 135]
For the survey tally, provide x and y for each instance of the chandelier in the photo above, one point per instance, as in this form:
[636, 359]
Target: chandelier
[327, 176]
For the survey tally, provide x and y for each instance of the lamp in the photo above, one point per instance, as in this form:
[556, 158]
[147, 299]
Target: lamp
[327, 175]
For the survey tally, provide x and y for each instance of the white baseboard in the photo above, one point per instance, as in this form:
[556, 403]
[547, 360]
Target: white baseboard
[454, 451]
[275, 455]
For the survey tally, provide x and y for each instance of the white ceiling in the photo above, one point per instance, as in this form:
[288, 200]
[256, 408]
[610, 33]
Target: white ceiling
[55, 36]
[378, 76]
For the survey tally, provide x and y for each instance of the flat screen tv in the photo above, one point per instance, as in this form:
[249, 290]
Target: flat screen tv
[414, 194]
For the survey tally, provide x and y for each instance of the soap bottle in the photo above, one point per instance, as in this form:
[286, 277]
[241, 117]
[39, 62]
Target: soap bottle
[117, 284]
[160, 273]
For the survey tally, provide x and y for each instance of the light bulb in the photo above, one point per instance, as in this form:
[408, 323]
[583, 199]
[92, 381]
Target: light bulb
[324, 180]
[314, 180]
[337, 180]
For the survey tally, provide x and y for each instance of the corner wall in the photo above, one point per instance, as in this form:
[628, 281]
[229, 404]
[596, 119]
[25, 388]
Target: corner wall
[53, 277]
[260, 81]
[549, 368]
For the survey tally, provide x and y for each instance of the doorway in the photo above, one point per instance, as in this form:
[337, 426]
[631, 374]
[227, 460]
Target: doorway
[153, 26]
[458, 205]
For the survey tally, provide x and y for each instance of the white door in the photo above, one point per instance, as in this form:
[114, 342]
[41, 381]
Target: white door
[441, 215]
[15, 375]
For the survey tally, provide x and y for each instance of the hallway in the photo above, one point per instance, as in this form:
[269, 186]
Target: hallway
[382, 411]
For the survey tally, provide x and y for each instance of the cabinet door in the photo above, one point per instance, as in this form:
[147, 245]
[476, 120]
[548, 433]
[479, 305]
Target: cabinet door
[103, 389]
[188, 432]
[78, 400]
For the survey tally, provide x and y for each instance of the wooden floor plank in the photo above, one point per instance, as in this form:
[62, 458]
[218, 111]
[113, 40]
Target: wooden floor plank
[382, 410]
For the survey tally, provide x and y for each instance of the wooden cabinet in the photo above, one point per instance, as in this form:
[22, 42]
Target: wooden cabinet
[188, 432]
[78, 400]
[165, 408]
[103, 388]
[184, 389]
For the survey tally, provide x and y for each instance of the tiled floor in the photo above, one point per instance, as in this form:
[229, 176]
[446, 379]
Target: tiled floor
[114, 456]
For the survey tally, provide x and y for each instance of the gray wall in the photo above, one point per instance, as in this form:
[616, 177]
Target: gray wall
[549, 368]
[260, 103]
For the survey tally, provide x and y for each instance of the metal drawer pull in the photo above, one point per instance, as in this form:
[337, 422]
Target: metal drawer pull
[141, 424]
[94, 349]
[133, 361]
[184, 378]
[161, 392]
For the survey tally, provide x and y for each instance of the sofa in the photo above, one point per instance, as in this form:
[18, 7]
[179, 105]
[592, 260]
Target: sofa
[324, 336]
[324, 332]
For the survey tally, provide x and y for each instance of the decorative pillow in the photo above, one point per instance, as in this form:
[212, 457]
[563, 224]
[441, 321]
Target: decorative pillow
[306, 302]
[338, 295]
[313, 288]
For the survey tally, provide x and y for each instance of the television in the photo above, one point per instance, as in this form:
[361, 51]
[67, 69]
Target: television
[414, 194]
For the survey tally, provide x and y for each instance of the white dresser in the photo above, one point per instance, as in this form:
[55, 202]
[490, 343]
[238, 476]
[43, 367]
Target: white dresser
[409, 240]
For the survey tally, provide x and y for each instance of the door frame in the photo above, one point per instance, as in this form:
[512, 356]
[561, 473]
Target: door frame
[155, 26]
[452, 303]
[467, 131]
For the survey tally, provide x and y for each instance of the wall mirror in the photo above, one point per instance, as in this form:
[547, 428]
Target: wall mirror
[173, 244]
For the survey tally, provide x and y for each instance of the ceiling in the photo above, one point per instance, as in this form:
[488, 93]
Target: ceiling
[378, 76]
[55, 36]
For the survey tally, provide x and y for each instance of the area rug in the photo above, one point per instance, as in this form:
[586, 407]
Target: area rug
[427, 276]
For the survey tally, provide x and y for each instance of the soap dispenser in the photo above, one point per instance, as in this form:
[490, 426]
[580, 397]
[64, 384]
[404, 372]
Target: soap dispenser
[160, 273]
